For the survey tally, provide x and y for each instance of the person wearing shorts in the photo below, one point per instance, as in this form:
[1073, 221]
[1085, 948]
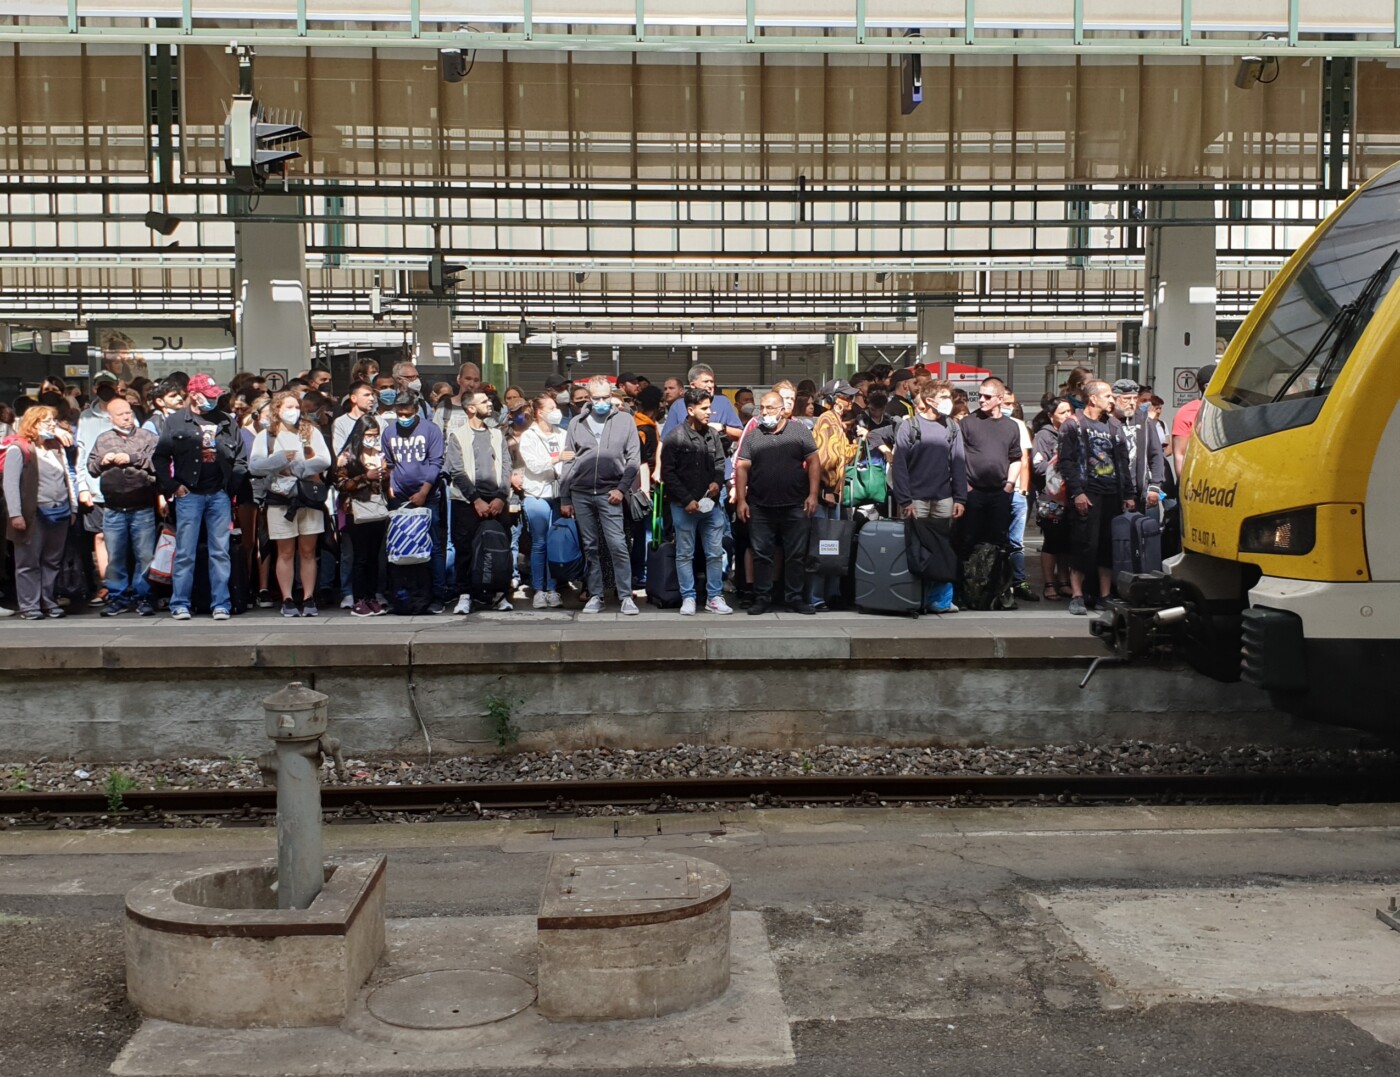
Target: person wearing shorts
[1094, 463]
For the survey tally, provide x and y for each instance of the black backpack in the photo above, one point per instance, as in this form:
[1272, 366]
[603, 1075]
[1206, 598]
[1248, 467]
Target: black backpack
[987, 578]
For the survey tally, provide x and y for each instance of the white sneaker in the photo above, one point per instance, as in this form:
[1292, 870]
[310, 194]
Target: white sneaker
[348, 602]
[464, 604]
[595, 605]
[6, 613]
[717, 605]
[687, 607]
[553, 599]
[503, 605]
[629, 607]
[539, 602]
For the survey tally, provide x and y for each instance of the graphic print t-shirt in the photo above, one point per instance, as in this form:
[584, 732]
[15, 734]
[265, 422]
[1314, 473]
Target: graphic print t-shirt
[210, 477]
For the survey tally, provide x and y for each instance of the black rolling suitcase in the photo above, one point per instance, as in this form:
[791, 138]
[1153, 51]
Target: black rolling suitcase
[1137, 544]
[884, 582]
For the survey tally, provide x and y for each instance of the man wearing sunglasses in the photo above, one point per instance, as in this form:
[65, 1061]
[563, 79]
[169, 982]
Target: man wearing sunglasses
[993, 448]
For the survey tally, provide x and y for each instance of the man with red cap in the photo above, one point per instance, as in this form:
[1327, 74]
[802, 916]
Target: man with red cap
[198, 460]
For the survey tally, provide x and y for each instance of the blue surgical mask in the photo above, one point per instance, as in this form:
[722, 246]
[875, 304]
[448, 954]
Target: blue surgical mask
[405, 424]
[206, 406]
[602, 408]
[1006, 413]
[388, 396]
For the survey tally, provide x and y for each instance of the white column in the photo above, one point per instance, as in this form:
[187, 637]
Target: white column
[495, 360]
[6, 337]
[935, 334]
[272, 310]
[1179, 331]
[845, 354]
[432, 335]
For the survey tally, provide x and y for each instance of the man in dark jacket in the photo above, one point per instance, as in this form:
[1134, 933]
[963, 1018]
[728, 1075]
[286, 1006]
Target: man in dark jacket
[198, 460]
[607, 455]
[929, 471]
[1146, 460]
[120, 460]
[694, 458]
[1095, 467]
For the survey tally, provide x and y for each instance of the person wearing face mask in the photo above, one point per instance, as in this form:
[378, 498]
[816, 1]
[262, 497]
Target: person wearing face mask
[120, 461]
[607, 456]
[478, 470]
[413, 452]
[362, 481]
[41, 499]
[289, 452]
[545, 460]
[406, 380]
[198, 459]
[928, 472]
[385, 395]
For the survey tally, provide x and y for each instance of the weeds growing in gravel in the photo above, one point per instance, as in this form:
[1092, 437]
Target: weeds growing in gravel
[500, 711]
[116, 786]
[19, 780]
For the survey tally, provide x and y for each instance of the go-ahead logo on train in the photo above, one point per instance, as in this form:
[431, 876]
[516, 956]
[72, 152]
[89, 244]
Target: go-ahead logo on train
[1205, 494]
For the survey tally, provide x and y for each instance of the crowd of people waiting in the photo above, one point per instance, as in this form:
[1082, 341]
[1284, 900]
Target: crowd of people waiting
[190, 496]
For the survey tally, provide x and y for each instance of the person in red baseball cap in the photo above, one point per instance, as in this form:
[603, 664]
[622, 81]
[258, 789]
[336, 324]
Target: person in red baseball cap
[199, 460]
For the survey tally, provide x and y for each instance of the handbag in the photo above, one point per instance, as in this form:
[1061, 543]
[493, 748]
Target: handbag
[830, 546]
[409, 540]
[162, 567]
[312, 492]
[866, 481]
[639, 504]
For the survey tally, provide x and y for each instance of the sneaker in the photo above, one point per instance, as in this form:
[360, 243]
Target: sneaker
[629, 607]
[222, 615]
[717, 605]
[1024, 592]
[4, 612]
[802, 607]
[377, 607]
[539, 602]
[31, 615]
[99, 599]
[348, 602]
[114, 610]
[950, 608]
[595, 605]
[759, 607]
[179, 615]
[308, 609]
[55, 612]
[1077, 607]
[145, 609]
[464, 605]
[361, 609]
[688, 607]
[436, 607]
[265, 600]
[503, 605]
[553, 599]
[289, 608]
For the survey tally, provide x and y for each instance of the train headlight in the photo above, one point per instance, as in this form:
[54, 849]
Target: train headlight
[1292, 532]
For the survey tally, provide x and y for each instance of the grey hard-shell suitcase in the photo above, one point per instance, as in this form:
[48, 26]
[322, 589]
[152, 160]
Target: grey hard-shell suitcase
[884, 582]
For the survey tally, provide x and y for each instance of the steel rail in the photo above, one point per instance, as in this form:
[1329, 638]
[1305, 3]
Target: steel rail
[566, 796]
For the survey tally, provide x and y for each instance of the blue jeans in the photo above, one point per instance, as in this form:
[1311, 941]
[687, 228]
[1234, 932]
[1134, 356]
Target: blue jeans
[130, 535]
[601, 532]
[215, 513]
[1017, 537]
[710, 526]
[540, 514]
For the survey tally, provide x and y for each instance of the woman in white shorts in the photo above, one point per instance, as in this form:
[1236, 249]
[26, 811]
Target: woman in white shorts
[290, 451]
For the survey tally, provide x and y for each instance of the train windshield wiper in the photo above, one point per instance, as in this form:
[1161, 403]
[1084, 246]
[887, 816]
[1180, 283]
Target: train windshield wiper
[1345, 325]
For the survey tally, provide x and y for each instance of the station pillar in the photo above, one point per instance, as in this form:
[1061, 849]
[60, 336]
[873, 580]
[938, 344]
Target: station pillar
[1179, 324]
[935, 329]
[6, 338]
[845, 355]
[495, 360]
[432, 336]
[272, 314]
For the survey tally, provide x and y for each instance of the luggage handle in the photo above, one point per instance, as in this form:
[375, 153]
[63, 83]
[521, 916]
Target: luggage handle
[657, 531]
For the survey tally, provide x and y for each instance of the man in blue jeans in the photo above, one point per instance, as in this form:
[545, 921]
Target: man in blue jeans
[120, 461]
[694, 456]
[198, 460]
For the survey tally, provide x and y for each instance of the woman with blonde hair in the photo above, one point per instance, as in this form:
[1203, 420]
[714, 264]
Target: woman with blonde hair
[292, 455]
[42, 500]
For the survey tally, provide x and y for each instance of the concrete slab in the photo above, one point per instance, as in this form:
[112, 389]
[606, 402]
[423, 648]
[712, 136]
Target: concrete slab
[1299, 947]
[747, 1027]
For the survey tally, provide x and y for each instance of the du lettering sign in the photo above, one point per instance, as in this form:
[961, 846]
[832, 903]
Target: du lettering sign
[156, 349]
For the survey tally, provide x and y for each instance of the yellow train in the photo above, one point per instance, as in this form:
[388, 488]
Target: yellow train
[1290, 494]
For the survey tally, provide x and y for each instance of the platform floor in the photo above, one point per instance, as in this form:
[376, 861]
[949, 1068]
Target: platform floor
[1065, 942]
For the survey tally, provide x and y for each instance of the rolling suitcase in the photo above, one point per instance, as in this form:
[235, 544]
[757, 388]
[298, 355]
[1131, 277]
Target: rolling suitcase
[884, 582]
[1137, 544]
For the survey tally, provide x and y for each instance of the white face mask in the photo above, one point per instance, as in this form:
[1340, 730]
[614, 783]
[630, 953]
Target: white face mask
[554, 418]
[768, 422]
[416, 385]
[290, 416]
[943, 407]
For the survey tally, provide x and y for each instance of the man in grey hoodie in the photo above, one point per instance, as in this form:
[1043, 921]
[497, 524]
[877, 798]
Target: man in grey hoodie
[607, 454]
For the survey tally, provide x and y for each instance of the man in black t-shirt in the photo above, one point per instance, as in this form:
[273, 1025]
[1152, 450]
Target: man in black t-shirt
[776, 482]
[993, 447]
[1097, 473]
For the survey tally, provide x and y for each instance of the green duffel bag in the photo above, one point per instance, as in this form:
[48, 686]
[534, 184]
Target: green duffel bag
[866, 481]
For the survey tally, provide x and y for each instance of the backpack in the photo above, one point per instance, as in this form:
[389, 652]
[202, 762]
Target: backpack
[14, 439]
[987, 578]
[565, 552]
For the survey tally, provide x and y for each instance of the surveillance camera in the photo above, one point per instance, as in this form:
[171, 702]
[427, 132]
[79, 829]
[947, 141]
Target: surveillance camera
[452, 65]
[1251, 67]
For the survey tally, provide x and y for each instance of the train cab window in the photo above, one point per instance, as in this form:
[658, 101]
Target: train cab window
[1284, 372]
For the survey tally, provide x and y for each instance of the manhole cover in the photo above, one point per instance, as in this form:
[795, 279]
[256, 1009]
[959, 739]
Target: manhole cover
[451, 998]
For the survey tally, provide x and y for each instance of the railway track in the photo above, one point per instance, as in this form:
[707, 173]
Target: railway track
[473, 800]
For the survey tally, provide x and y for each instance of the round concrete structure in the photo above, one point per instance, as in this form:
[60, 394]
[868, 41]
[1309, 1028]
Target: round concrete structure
[631, 934]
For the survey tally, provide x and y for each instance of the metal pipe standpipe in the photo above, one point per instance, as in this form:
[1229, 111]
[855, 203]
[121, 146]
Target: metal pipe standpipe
[296, 720]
